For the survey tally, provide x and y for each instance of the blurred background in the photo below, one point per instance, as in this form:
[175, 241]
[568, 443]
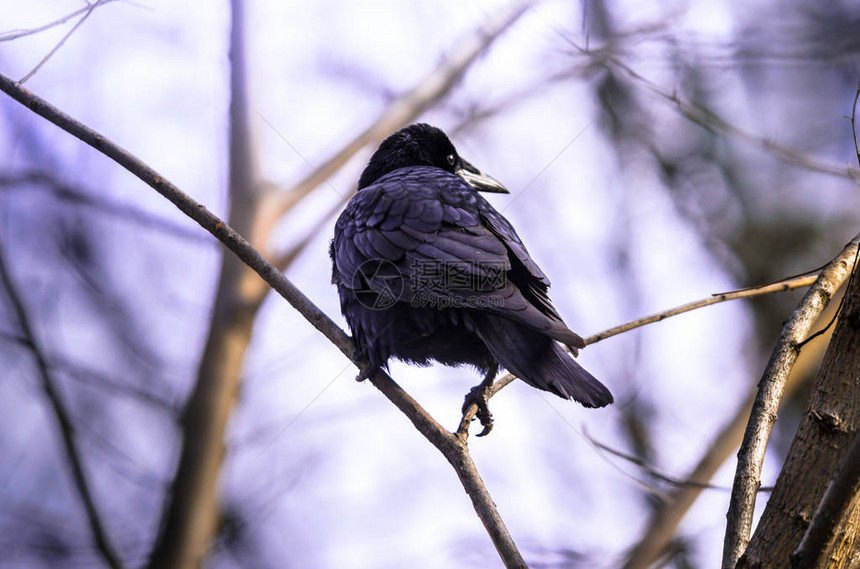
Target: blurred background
[656, 153]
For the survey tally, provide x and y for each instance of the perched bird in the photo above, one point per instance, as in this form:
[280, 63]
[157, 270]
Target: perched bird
[426, 269]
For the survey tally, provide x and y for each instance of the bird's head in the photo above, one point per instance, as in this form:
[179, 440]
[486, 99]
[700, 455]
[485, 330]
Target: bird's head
[424, 145]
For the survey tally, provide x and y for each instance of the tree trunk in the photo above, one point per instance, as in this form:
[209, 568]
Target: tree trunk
[190, 520]
[819, 447]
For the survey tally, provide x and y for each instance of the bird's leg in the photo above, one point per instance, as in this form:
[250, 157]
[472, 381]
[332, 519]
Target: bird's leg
[365, 370]
[479, 395]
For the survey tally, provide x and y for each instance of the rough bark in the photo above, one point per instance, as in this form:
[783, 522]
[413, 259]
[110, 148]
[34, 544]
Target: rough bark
[795, 332]
[667, 516]
[820, 445]
[831, 539]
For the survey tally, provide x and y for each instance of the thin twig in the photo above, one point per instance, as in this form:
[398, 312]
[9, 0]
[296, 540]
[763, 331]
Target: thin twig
[854, 123]
[41, 180]
[454, 450]
[62, 42]
[829, 326]
[781, 286]
[770, 389]
[711, 121]
[110, 386]
[692, 482]
[15, 34]
[64, 421]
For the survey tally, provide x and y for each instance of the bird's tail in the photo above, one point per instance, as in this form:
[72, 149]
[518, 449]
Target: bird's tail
[540, 361]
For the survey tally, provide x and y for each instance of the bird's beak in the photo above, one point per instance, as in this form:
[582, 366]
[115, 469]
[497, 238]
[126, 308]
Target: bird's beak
[480, 181]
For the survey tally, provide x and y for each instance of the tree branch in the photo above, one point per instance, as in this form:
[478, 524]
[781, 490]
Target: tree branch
[190, 518]
[56, 188]
[15, 34]
[64, 422]
[62, 42]
[667, 516]
[820, 444]
[697, 483]
[781, 286]
[454, 450]
[710, 120]
[401, 111]
[110, 386]
[763, 415]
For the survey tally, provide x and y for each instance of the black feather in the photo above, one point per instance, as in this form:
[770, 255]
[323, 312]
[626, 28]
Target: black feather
[426, 269]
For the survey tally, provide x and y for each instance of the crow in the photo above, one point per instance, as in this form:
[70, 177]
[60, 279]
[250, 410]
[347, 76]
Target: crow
[426, 269]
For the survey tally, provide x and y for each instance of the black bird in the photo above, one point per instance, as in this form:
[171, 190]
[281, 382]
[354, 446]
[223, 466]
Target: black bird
[426, 269]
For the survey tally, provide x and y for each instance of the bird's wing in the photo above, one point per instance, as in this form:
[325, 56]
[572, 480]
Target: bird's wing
[429, 237]
[412, 218]
[525, 273]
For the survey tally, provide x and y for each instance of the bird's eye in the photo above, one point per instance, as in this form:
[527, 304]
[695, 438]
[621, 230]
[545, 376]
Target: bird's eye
[452, 159]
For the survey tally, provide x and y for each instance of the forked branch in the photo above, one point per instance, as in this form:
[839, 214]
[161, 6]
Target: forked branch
[770, 390]
[454, 450]
[781, 286]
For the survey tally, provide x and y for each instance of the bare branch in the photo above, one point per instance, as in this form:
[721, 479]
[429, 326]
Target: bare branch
[15, 34]
[109, 385]
[690, 482]
[454, 450]
[62, 42]
[189, 520]
[286, 258]
[184, 203]
[854, 123]
[752, 450]
[403, 109]
[770, 390]
[842, 494]
[667, 516]
[781, 286]
[64, 422]
[47, 182]
[816, 454]
[711, 121]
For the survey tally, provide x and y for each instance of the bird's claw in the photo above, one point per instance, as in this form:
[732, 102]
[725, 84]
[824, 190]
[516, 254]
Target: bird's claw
[487, 427]
[365, 371]
[479, 395]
